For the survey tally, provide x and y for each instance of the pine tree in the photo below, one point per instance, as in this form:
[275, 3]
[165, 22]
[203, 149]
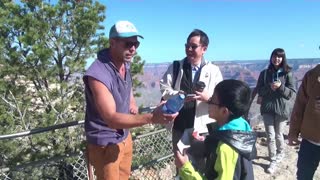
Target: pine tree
[136, 70]
[44, 48]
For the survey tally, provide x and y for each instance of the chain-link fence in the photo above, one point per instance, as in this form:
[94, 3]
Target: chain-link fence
[65, 167]
[152, 159]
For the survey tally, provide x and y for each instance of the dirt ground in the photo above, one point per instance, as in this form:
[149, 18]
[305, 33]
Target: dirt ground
[286, 169]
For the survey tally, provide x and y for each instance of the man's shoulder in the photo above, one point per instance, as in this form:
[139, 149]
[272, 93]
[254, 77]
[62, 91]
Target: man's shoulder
[181, 61]
[211, 65]
[314, 72]
[176, 62]
[103, 55]
[99, 70]
[316, 69]
[96, 65]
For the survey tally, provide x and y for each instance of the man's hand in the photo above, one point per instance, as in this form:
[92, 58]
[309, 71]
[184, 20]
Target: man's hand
[190, 97]
[293, 140]
[181, 159]
[160, 118]
[133, 105]
[200, 96]
[133, 109]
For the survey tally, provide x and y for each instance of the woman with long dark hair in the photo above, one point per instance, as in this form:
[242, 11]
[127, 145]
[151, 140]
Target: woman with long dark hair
[276, 87]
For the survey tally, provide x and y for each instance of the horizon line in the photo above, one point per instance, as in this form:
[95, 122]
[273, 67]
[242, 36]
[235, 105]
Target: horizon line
[315, 58]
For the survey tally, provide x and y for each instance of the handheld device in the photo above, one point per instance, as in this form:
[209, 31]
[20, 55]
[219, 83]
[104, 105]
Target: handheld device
[199, 86]
[275, 78]
[191, 95]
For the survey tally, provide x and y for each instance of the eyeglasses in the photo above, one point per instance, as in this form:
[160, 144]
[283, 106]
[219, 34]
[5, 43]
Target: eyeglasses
[210, 101]
[193, 46]
[129, 44]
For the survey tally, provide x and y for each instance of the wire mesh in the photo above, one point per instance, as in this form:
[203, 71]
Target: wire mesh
[67, 167]
[152, 159]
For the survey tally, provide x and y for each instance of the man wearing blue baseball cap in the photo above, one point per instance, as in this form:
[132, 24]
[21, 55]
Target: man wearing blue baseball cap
[110, 105]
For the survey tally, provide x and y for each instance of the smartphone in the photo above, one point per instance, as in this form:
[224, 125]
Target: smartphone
[199, 86]
[191, 95]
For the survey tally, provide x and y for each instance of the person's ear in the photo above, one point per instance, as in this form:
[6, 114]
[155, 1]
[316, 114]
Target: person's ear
[112, 42]
[205, 48]
[225, 111]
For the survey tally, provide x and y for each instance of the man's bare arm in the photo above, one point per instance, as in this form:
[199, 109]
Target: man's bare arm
[107, 109]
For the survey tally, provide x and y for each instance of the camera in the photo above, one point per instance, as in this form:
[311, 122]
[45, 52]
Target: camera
[199, 86]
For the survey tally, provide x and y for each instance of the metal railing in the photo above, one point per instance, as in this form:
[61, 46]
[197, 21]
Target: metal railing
[152, 157]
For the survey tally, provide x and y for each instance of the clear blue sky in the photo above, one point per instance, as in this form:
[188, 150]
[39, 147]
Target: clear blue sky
[237, 29]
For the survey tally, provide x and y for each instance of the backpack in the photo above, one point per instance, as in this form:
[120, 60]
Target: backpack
[176, 66]
[259, 99]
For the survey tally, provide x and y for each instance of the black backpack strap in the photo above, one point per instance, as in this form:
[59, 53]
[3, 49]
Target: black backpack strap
[265, 76]
[176, 66]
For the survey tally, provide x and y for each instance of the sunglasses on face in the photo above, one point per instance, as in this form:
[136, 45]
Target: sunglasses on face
[192, 46]
[129, 44]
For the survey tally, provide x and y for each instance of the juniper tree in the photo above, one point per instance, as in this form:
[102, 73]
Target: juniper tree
[44, 48]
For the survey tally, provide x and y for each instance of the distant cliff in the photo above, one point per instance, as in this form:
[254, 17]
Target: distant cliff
[247, 71]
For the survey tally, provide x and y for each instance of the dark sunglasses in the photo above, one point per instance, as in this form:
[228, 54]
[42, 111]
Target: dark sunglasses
[193, 47]
[129, 44]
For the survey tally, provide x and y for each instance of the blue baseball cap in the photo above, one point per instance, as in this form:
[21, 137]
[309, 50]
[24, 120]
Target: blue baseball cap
[123, 29]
